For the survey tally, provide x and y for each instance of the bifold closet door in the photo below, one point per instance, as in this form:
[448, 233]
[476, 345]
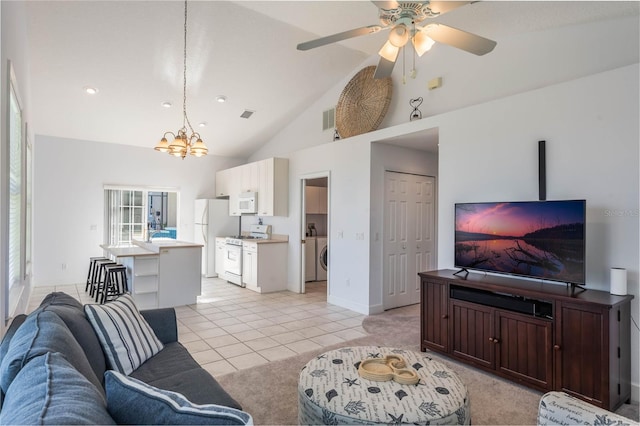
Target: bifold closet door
[409, 236]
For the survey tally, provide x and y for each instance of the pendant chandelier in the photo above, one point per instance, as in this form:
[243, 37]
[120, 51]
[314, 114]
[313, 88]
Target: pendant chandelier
[182, 142]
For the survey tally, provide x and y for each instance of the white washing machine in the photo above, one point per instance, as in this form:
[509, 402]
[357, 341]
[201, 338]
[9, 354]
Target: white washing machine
[323, 258]
[310, 259]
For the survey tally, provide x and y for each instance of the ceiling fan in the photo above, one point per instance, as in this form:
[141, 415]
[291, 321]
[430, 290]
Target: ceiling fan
[402, 18]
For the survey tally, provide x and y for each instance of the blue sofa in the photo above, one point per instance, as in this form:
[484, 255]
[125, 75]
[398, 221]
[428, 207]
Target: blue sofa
[52, 370]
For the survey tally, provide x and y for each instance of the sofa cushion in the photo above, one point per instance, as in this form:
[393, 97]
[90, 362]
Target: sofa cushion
[174, 369]
[49, 390]
[161, 406]
[173, 359]
[4, 345]
[43, 332]
[72, 313]
[126, 338]
[198, 386]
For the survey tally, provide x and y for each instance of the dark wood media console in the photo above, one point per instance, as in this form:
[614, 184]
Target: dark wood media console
[539, 334]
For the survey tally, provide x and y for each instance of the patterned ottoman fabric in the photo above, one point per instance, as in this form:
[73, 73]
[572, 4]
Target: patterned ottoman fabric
[331, 392]
[559, 408]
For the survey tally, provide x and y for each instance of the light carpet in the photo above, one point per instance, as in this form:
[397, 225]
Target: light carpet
[270, 392]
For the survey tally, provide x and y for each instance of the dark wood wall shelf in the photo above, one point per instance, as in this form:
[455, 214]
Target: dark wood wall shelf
[543, 335]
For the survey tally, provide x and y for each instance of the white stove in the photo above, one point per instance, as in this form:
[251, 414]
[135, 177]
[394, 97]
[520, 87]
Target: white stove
[233, 251]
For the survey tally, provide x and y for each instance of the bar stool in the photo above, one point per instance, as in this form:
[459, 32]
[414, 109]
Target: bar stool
[115, 283]
[93, 271]
[100, 277]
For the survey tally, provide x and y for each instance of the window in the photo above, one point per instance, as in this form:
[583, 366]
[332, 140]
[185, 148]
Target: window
[131, 213]
[17, 220]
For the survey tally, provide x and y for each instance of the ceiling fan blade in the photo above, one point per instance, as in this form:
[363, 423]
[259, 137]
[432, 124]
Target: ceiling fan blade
[384, 68]
[442, 7]
[322, 41]
[386, 5]
[471, 43]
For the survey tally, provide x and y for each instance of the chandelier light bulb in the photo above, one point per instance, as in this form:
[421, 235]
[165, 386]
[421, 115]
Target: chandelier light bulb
[163, 145]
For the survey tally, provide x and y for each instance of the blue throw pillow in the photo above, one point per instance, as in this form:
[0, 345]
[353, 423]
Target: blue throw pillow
[48, 390]
[43, 332]
[162, 407]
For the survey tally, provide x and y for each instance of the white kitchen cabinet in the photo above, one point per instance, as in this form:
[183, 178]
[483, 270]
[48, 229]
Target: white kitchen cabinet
[264, 266]
[250, 265]
[223, 182]
[179, 276]
[249, 177]
[220, 254]
[316, 200]
[273, 187]
[269, 178]
[142, 279]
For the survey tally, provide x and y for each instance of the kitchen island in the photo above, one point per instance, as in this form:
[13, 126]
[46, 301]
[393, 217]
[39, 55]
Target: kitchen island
[162, 273]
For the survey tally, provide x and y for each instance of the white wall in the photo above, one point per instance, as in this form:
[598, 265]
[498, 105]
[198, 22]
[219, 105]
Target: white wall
[69, 178]
[566, 86]
[591, 128]
[518, 64]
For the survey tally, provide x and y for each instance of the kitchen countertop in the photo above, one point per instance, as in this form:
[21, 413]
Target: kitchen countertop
[143, 248]
[263, 241]
[275, 238]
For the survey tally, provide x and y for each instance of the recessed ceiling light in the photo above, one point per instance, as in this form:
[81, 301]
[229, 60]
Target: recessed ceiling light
[221, 98]
[166, 104]
[203, 124]
[90, 90]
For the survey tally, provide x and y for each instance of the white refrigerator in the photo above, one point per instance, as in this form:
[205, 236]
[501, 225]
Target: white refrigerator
[212, 220]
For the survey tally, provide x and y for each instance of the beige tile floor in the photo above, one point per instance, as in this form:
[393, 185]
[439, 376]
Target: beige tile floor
[231, 328]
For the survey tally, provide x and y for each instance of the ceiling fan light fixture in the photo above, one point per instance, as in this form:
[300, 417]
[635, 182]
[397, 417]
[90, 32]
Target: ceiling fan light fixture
[399, 35]
[422, 43]
[389, 51]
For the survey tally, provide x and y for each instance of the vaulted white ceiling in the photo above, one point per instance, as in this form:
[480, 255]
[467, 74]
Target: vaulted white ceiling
[246, 50]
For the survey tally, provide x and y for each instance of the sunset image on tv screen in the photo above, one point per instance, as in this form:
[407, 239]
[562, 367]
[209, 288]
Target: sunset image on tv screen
[542, 239]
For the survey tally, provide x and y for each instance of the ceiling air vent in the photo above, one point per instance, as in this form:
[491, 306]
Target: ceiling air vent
[247, 113]
[329, 119]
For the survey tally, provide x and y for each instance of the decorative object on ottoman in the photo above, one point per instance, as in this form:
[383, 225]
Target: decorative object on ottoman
[363, 103]
[330, 391]
[391, 367]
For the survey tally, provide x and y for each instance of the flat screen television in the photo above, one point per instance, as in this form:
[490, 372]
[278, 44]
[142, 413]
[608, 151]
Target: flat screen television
[535, 239]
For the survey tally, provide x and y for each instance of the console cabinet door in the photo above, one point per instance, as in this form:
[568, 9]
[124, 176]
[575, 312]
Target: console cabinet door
[524, 348]
[435, 318]
[473, 333]
[581, 354]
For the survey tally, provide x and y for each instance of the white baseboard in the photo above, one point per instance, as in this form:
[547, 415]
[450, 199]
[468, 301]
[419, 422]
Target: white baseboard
[353, 306]
[635, 393]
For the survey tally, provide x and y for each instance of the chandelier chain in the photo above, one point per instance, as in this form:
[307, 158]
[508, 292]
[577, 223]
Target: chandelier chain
[185, 119]
[183, 143]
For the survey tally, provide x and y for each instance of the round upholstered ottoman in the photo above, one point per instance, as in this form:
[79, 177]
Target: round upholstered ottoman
[330, 391]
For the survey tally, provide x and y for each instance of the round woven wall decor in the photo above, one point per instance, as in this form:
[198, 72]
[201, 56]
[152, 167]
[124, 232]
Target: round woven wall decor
[363, 103]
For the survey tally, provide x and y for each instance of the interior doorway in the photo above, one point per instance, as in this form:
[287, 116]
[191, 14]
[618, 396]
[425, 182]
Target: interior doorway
[409, 236]
[315, 252]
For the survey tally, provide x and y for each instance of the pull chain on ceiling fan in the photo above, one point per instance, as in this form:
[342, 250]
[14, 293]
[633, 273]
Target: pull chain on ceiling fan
[402, 19]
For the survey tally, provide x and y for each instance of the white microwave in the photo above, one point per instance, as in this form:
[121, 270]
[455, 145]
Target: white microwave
[248, 202]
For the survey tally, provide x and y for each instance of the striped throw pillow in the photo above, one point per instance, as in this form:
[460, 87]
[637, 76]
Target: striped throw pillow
[126, 338]
[162, 407]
